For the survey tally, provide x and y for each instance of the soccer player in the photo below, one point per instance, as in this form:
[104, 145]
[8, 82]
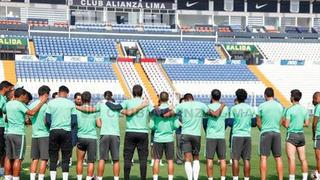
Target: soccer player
[16, 111]
[40, 137]
[163, 138]
[60, 117]
[241, 114]
[179, 154]
[77, 99]
[5, 87]
[268, 121]
[192, 113]
[136, 133]
[295, 118]
[87, 137]
[215, 135]
[316, 131]
[78, 102]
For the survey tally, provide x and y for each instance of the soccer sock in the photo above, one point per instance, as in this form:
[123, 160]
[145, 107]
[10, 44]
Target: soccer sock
[65, 176]
[79, 177]
[15, 178]
[88, 178]
[155, 177]
[223, 178]
[41, 177]
[246, 178]
[170, 177]
[317, 175]
[8, 177]
[188, 169]
[32, 176]
[235, 177]
[99, 178]
[114, 178]
[291, 177]
[304, 176]
[196, 169]
[210, 178]
[53, 175]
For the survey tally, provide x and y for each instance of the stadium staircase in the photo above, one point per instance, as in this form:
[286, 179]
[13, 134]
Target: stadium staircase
[146, 82]
[120, 51]
[32, 49]
[122, 82]
[10, 71]
[223, 54]
[268, 83]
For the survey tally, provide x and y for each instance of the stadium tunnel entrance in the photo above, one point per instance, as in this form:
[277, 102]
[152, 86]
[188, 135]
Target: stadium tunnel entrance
[248, 54]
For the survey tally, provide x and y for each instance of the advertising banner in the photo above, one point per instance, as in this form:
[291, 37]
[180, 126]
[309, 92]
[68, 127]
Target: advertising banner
[134, 4]
[193, 5]
[262, 6]
[292, 62]
[193, 61]
[23, 57]
[236, 47]
[51, 58]
[13, 42]
[174, 61]
[75, 58]
[93, 59]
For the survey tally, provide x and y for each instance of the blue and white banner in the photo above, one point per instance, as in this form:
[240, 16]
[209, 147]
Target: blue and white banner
[292, 62]
[23, 57]
[75, 58]
[92, 59]
[214, 61]
[236, 62]
[174, 61]
[51, 58]
[193, 61]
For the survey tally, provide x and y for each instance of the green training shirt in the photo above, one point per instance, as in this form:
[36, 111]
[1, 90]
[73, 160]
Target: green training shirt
[242, 114]
[3, 101]
[270, 113]
[87, 124]
[216, 125]
[317, 114]
[39, 128]
[109, 119]
[296, 115]
[16, 113]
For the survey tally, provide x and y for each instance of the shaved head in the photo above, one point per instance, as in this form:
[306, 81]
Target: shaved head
[316, 98]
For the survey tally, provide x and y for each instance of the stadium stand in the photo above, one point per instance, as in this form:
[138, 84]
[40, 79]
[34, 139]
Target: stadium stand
[78, 77]
[75, 46]
[162, 49]
[285, 78]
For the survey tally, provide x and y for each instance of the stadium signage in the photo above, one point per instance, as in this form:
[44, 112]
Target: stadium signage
[22, 57]
[123, 4]
[292, 62]
[232, 47]
[13, 41]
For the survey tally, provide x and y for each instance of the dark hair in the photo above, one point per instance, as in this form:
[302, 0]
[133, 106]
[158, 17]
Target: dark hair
[76, 95]
[216, 94]
[188, 97]
[5, 84]
[296, 95]
[108, 95]
[44, 90]
[86, 97]
[54, 95]
[20, 92]
[180, 100]
[241, 95]
[64, 89]
[29, 96]
[164, 96]
[137, 90]
[269, 92]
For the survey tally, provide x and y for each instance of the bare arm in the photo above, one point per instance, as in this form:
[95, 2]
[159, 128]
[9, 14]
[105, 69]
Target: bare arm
[130, 112]
[33, 111]
[306, 123]
[89, 109]
[99, 123]
[217, 112]
[285, 122]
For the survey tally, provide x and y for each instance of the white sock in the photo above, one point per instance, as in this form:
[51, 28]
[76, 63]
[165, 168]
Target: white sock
[196, 169]
[210, 178]
[53, 175]
[41, 177]
[188, 169]
[88, 178]
[170, 177]
[100, 178]
[246, 178]
[155, 177]
[15, 178]
[79, 177]
[33, 176]
[65, 176]
[235, 177]
[8, 177]
[304, 176]
[114, 178]
[223, 178]
[291, 177]
[317, 175]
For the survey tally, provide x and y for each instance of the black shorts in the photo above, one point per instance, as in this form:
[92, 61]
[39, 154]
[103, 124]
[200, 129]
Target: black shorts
[216, 146]
[109, 143]
[296, 139]
[270, 141]
[317, 143]
[40, 148]
[15, 146]
[89, 146]
[2, 142]
[241, 148]
[191, 144]
[168, 148]
[152, 137]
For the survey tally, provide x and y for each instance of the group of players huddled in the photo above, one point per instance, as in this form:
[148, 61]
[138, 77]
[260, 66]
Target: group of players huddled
[60, 124]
